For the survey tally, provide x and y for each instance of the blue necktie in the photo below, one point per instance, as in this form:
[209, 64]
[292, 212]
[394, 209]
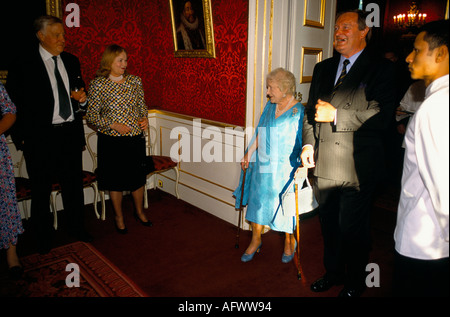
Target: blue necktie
[341, 77]
[64, 102]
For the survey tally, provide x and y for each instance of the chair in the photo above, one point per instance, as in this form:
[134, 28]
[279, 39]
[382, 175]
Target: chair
[93, 156]
[23, 191]
[162, 163]
[89, 180]
[23, 186]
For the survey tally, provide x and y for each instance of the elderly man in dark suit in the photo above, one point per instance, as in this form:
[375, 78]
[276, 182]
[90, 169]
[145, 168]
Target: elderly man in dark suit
[49, 129]
[350, 104]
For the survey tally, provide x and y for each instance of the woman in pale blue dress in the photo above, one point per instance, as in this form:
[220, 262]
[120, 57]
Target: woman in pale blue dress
[270, 161]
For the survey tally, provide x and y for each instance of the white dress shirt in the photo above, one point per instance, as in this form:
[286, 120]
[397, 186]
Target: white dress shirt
[423, 213]
[50, 66]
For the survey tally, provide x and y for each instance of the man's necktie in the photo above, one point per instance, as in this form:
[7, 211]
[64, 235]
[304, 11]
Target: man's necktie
[341, 77]
[64, 102]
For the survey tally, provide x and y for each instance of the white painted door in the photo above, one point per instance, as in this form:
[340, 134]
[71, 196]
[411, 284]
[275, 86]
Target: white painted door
[293, 34]
[311, 39]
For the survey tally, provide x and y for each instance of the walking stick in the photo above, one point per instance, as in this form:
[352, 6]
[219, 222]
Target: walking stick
[300, 173]
[236, 246]
[299, 273]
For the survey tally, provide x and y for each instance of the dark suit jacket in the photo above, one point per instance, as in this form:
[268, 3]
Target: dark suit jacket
[352, 149]
[29, 87]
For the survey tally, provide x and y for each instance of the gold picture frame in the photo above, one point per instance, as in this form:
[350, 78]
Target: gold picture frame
[195, 14]
[309, 52]
[54, 8]
[314, 16]
[3, 76]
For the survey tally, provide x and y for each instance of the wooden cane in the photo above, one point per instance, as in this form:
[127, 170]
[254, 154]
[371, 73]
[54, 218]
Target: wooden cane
[240, 211]
[299, 273]
[301, 173]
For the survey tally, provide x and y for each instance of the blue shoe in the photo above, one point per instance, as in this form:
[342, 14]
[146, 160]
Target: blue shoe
[248, 257]
[288, 258]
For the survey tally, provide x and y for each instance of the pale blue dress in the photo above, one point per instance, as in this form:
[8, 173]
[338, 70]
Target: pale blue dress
[271, 166]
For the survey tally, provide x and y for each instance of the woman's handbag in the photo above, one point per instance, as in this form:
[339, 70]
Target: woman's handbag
[306, 200]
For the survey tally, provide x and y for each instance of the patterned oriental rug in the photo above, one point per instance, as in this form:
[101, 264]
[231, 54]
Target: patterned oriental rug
[74, 270]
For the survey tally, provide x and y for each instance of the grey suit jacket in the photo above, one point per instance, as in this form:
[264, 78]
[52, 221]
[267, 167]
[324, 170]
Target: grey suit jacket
[352, 149]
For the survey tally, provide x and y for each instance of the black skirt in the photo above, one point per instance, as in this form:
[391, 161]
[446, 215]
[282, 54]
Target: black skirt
[120, 162]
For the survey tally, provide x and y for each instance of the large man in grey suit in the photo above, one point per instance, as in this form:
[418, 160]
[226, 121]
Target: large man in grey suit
[349, 106]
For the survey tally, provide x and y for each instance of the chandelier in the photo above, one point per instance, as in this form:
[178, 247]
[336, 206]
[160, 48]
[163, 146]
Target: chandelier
[413, 18]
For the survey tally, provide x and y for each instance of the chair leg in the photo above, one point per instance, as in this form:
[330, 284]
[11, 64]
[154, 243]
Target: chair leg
[53, 209]
[95, 188]
[102, 199]
[25, 209]
[176, 182]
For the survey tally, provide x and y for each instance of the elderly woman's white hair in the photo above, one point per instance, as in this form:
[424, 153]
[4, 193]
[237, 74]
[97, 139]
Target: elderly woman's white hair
[284, 79]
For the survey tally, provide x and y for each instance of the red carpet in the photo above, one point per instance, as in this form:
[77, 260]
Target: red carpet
[187, 253]
[45, 275]
[191, 253]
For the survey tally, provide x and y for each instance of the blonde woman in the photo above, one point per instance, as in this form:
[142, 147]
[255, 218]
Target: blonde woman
[118, 111]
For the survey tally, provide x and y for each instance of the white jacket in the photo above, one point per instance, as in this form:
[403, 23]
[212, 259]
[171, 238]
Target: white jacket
[422, 230]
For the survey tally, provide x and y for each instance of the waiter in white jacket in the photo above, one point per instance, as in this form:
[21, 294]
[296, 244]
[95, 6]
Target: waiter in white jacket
[422, 230]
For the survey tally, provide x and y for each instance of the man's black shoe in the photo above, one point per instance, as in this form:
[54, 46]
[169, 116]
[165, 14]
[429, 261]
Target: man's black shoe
[323, 284]
[351, 292]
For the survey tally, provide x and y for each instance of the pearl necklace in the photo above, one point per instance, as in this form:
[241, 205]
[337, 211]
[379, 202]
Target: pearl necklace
[115, 78]
[279, 111]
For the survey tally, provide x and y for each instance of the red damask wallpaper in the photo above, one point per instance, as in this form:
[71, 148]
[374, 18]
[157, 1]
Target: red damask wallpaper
[213, 89]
